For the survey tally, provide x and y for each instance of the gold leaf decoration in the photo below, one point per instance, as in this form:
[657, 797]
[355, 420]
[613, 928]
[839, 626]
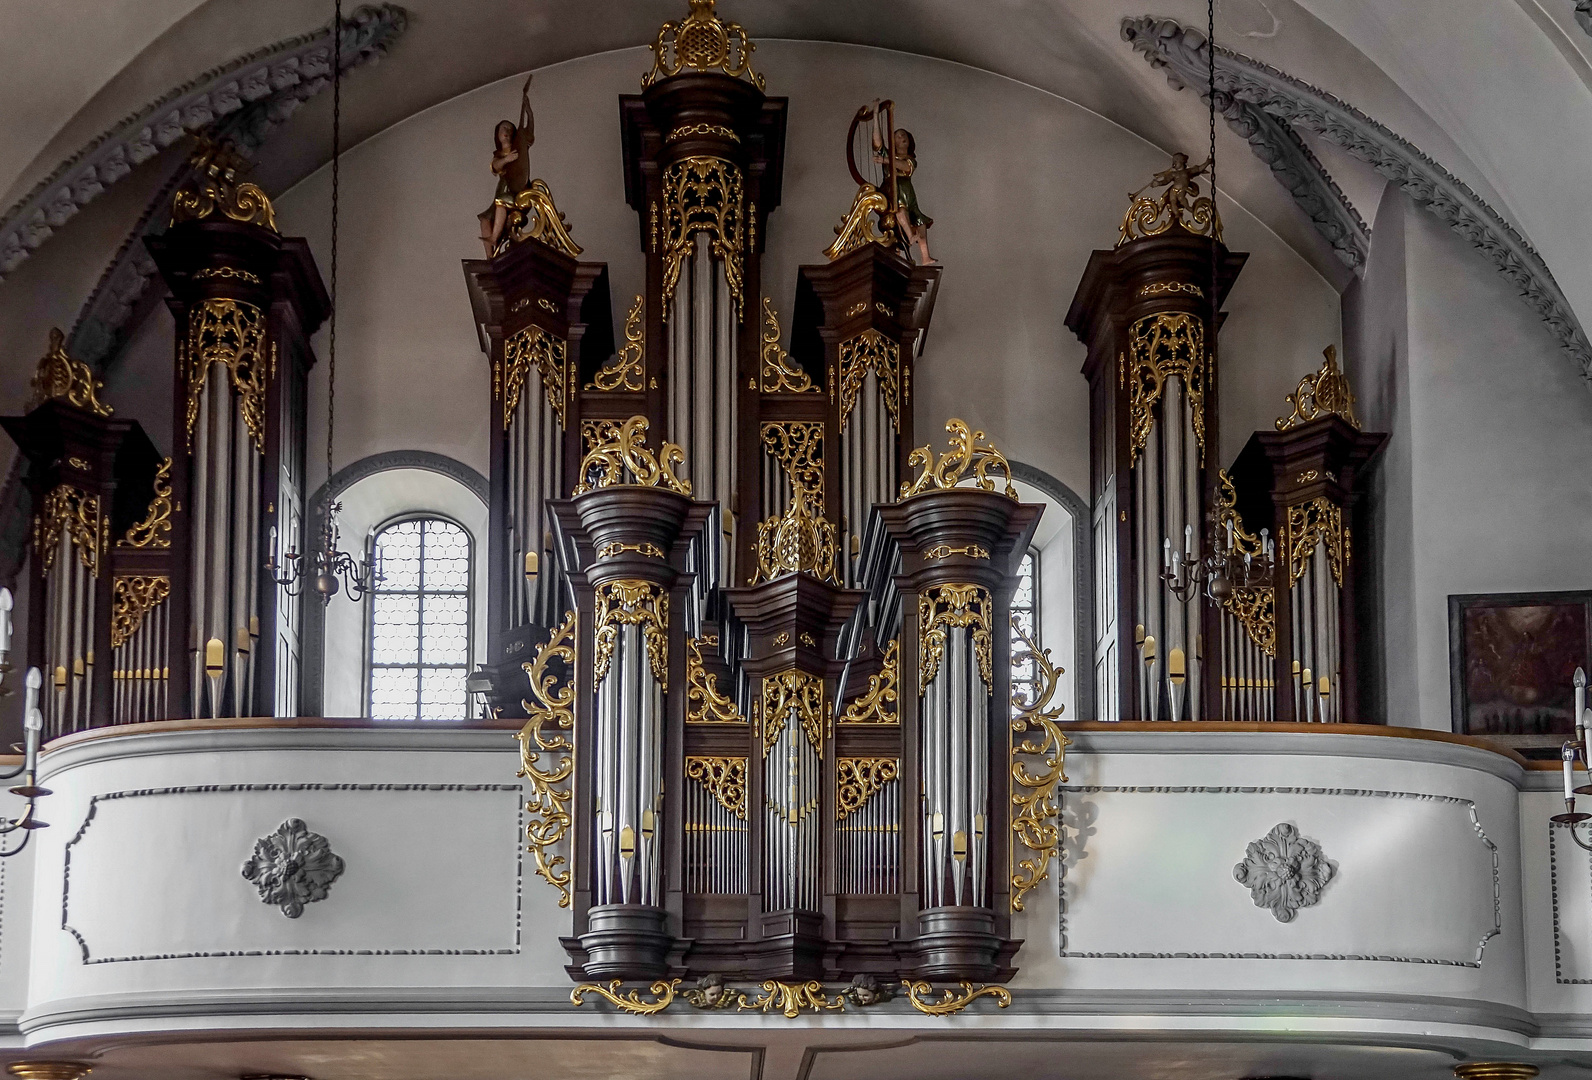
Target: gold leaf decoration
[702, 42]
[615, 450]
[231, 333]
[703, 194]
[779, 374]
[859, 779]
[941, 607]
[61, 378]
[878, 704]
[704, 703]
[532, 348]
[1322, 393]
[860, 354]
[132, 598]
[552, 714]
[952, 1001]
[1159, 347]
[1036, 825]
[968, 449]
[662, 996]
[628, 371]
[632, 602]
[155, 530]
[724, 778]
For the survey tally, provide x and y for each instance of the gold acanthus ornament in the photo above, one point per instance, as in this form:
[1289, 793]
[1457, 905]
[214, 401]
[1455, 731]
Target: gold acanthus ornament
[704, 703]
[798, 446]
[230, 333]
[552, 713]
[799, 541]
[1321, 393]
[617, 455]
[1171, 343]
[1180, 206]
[537, 218]
[61, 378]
[859, 779]
[631, 602]
[1255, 608]
[703, 194]
[214, 189]
[878, 704]
[155, 530]
[968, 449]
[1036, 824]
[702, 42]
[942, 607]
[788, 999]
[779, 375]
[865, 352]
[533, 349]
[628, 369]
[1319, 521]
[798, 692]
[77, 513]
[952, 1001]
[724, 778]
[132, 598]
[869, 221]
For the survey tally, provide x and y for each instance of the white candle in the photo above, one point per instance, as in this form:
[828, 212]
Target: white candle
[1166, 552]
[6, 604]
[1568, 760]
[1579, 681]
[33, 721]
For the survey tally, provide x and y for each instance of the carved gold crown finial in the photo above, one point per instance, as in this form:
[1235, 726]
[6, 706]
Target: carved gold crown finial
[60, 378]
[702, 42]
[1180, 206]
[968, 448]
[1321, 393]
[214, 188]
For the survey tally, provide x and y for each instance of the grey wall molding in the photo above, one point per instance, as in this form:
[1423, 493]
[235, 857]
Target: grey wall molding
[1083, 707]
[1362, 793]
[313, 645]
[237, 789]
[1553, 884]
[1184, 53]
[286, 74]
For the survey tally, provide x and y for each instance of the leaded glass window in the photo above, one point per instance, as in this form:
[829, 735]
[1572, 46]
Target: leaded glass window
[420, 621]
[1025, 613]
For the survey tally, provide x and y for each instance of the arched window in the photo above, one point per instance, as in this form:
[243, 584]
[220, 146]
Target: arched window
[420, 621]
[1025, 613]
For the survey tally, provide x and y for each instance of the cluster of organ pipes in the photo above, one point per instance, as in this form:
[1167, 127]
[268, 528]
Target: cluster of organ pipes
[868, 847]
[792, 771]
[71, 576]
[1313, 612]
[955, 756]
[535, 474]
[141, 674]
[716, 855]
[629, 771]
[868, 468]
[1248, 669]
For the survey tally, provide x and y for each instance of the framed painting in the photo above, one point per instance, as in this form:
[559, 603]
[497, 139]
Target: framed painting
[1512, 658]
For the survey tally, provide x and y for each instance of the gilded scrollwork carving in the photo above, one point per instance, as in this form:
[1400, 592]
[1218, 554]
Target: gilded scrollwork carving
[779, 375]
[703, 194]
[941, 607]
[154, 531]
[552, 713]
[1036, 824]
[945, 551]
[628, 369]
[133, 597]
[1160, 346]
[631, 602]
[662, 996]
[1324, 392]
[532, 348]
[1319, 521]
[61, 378]
[794, 691]
[1180, 206]
[214, 188]
[702, 42]
[537, 218]
[800, 541]
[798, 446]
[724, 778]
[615, 449]
[968, 448]
[952, 1001]
[231, 333]
[859, 779]
[879, 703]
[865, 352]
[77, 513]
[1256, 611]
[867, 222]
[704, 703]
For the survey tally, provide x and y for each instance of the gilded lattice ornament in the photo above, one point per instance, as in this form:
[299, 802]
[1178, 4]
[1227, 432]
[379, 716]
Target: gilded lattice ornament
[920, 994]
[968, 449]
[794, 691]
[870, 351]
[628, 369]
[701, 42]
[534, 349]
[1319, 521]
[724, 778]
[704, 703]
[800, 541]
[867, 222]
[61, 378]
[878, 704]
[703, 194]
[1256, 611]
[1180, 206]
[537, 218]
[941, 607]
[132, 598]
[1036, 825]
[77, 513]
[552, 713]
[798, 446]
[1159, 347]
[780, 376]
[859, 779]
[214, 189]
[231, 333]
[155, 530]
[1321, 393]
[617, 455]
[631, 602]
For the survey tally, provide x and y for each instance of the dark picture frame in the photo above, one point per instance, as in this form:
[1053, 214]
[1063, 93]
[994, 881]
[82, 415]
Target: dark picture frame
[1511, 660]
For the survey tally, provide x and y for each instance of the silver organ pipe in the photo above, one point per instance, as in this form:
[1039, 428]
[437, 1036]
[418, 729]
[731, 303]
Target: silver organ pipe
[955, 726]
[868, 468]
[792, 767]
[535, 470]
[629, 799]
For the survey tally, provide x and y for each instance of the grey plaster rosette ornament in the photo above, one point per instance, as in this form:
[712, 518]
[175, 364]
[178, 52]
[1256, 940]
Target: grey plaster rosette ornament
[292, 867]
[1284, 872]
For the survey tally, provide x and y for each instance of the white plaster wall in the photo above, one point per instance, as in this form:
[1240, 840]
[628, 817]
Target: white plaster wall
[1022, 186]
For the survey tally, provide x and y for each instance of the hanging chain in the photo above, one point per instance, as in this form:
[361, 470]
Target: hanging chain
[337, 119]
[1210, 53]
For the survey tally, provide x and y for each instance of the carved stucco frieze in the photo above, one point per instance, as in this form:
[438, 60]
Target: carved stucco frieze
[292, 867]
[1284, 872]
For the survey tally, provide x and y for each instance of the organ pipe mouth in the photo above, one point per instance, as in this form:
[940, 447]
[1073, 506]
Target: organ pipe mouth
[1325, 686]
[215, 656]
[531, 564]
[1177, 666]
[1149, 649]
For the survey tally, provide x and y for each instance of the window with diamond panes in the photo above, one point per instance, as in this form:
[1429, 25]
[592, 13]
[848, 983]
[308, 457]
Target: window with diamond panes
[420, 621]
[1025, 613]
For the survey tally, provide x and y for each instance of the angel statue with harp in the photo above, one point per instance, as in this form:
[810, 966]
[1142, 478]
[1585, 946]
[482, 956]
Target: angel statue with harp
[882, 159]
